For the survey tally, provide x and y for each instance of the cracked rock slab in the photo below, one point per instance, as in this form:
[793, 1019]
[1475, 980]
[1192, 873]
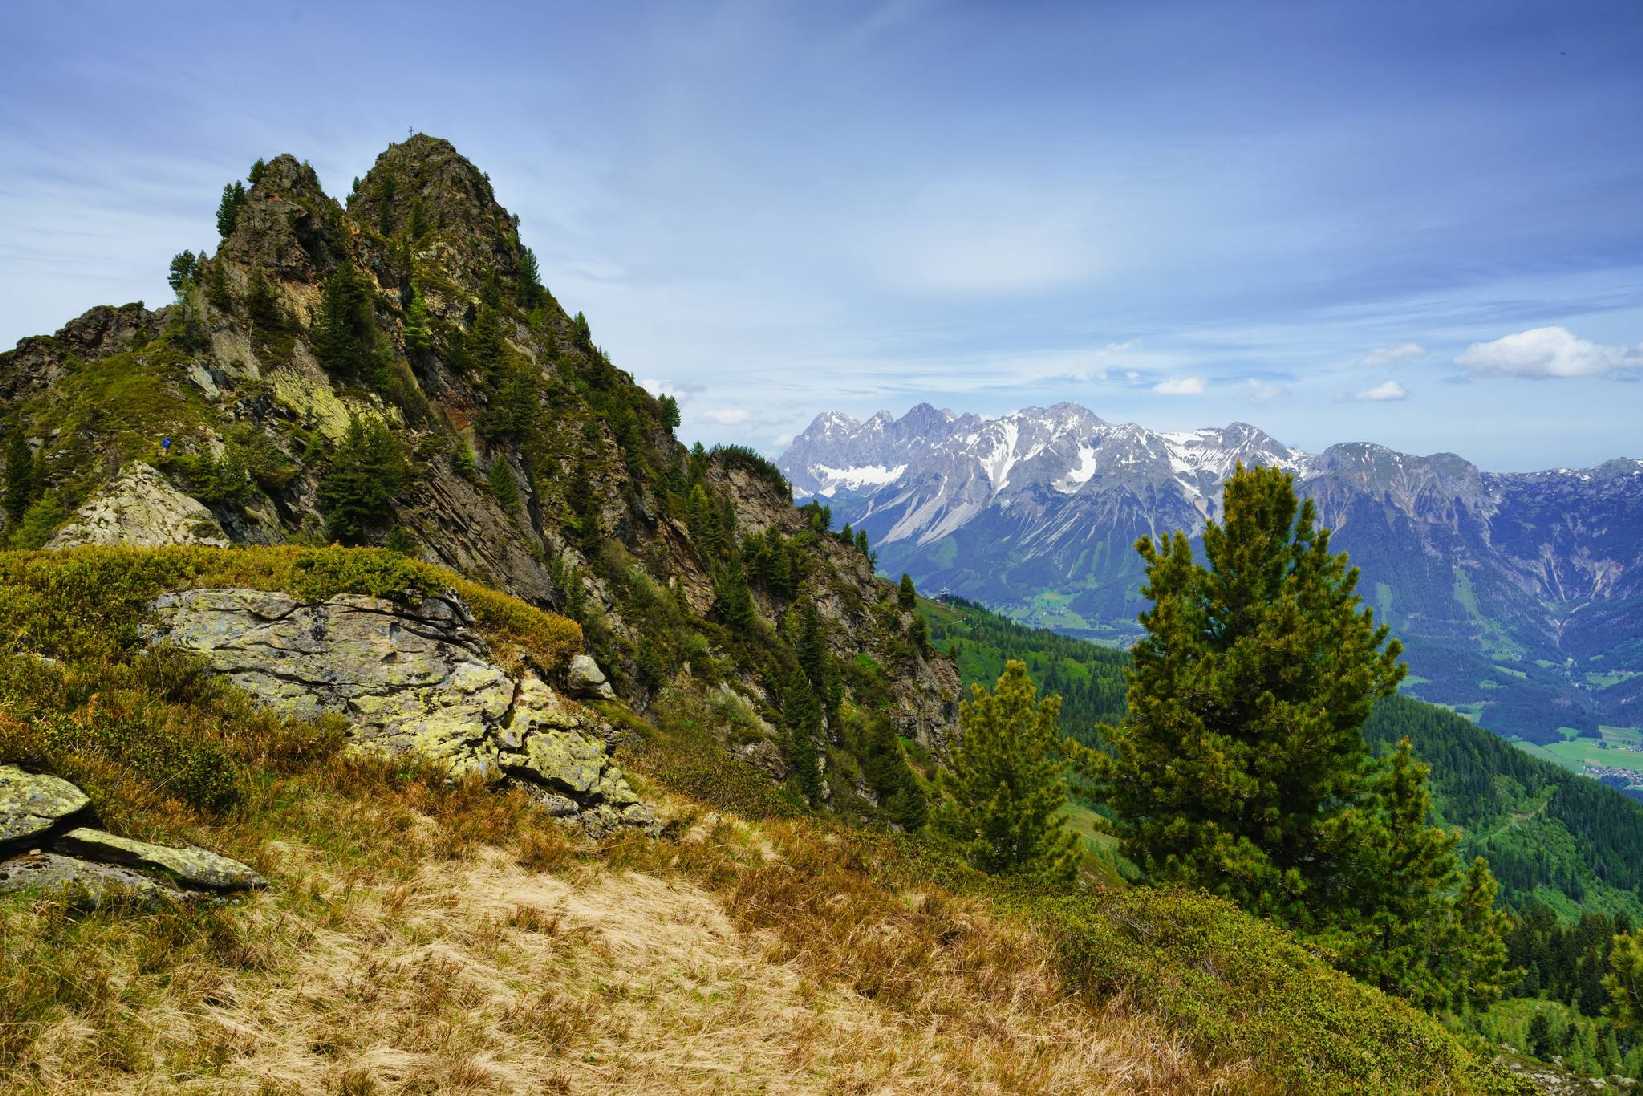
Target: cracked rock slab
[98, 882]
[33, 804]
[416, 679]
[187, 865]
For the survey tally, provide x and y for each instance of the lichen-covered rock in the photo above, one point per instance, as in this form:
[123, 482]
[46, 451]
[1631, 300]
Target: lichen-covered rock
[141, 507]
[587, 679]
[188, 865]
[99, 882]
[32, 805]
[409, 680]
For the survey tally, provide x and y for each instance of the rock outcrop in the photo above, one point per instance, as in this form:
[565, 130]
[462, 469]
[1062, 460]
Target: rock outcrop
[45, 844]
[141, 508]
[409, 680]
[32, 805]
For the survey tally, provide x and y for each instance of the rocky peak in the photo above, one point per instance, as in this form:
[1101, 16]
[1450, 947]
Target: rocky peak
[424, 188]
[289, 228]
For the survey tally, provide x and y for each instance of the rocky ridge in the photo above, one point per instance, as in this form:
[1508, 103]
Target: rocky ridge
[532, 463]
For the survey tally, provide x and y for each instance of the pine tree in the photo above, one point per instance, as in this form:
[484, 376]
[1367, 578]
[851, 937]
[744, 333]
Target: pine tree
[357, 492]
[1480, 969]
[815, 659]
[906, 595]
[670, 411]
[1246, 701]
[530, 278]
[801, 712]
[182, 270]
[1625, 981]
[345, 334]
[228, 210]
[1540, 1035]
[19, 486]
[1001, 799]
[891, 778]
[1240, 765]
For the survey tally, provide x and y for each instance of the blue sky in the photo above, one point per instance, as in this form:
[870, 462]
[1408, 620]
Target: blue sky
[1417, 224]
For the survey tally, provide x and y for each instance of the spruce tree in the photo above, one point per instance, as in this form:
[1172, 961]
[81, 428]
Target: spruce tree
[228, 210]
[356, 494]
[19, 486]
[1002, 796]
[906, 595]
[345, 335]
[802, 714]
[1246, 701]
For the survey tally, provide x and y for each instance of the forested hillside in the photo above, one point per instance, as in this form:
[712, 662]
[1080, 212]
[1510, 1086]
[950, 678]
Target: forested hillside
[1550, 835]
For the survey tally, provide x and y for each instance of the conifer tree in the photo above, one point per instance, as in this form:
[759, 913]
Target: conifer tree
[19, 486]
[906, 595]
[1624, 981]
[228, 209]
[1246, 701]
[357, 492]
[345, 335]
[814, 658]
[1240, 765]
[183, 265]
[1001, 799]
[802, 714]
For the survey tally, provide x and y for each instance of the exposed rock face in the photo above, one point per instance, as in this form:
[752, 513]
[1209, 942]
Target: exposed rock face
[142, 508]
[39, 361]
[32, 805]
[408, 680]
[44, 844]
[288, 227]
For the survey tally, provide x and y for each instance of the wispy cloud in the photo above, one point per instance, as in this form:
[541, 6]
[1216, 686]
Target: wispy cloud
[725, 416]
[1180, 386]
[1391, 355]
[1547, 352]
[1386, 390]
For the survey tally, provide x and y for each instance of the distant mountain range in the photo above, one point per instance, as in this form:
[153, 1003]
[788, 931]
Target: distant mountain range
[1518, 596]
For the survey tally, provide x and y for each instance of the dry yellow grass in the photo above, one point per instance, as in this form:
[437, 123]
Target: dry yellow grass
[483, 975]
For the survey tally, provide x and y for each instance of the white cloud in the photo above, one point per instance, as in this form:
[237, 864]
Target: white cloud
[1180, 386]
[726, 416]
[1397, 352]
[1386, 390]
[1547, 352]
[1261, 391]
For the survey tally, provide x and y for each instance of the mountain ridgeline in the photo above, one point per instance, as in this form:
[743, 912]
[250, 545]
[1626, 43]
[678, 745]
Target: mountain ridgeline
[390, 370]
[1519, 597]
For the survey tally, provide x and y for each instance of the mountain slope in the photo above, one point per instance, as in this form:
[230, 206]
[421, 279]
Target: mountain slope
[391, 371]
[1519, 596]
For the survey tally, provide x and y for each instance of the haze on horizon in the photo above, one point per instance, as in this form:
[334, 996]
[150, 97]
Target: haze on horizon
[1418, 225]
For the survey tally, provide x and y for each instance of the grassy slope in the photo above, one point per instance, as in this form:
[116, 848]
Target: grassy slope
[426, 936]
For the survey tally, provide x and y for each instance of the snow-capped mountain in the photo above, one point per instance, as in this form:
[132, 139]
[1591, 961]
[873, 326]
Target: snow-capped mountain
[1485, 576]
